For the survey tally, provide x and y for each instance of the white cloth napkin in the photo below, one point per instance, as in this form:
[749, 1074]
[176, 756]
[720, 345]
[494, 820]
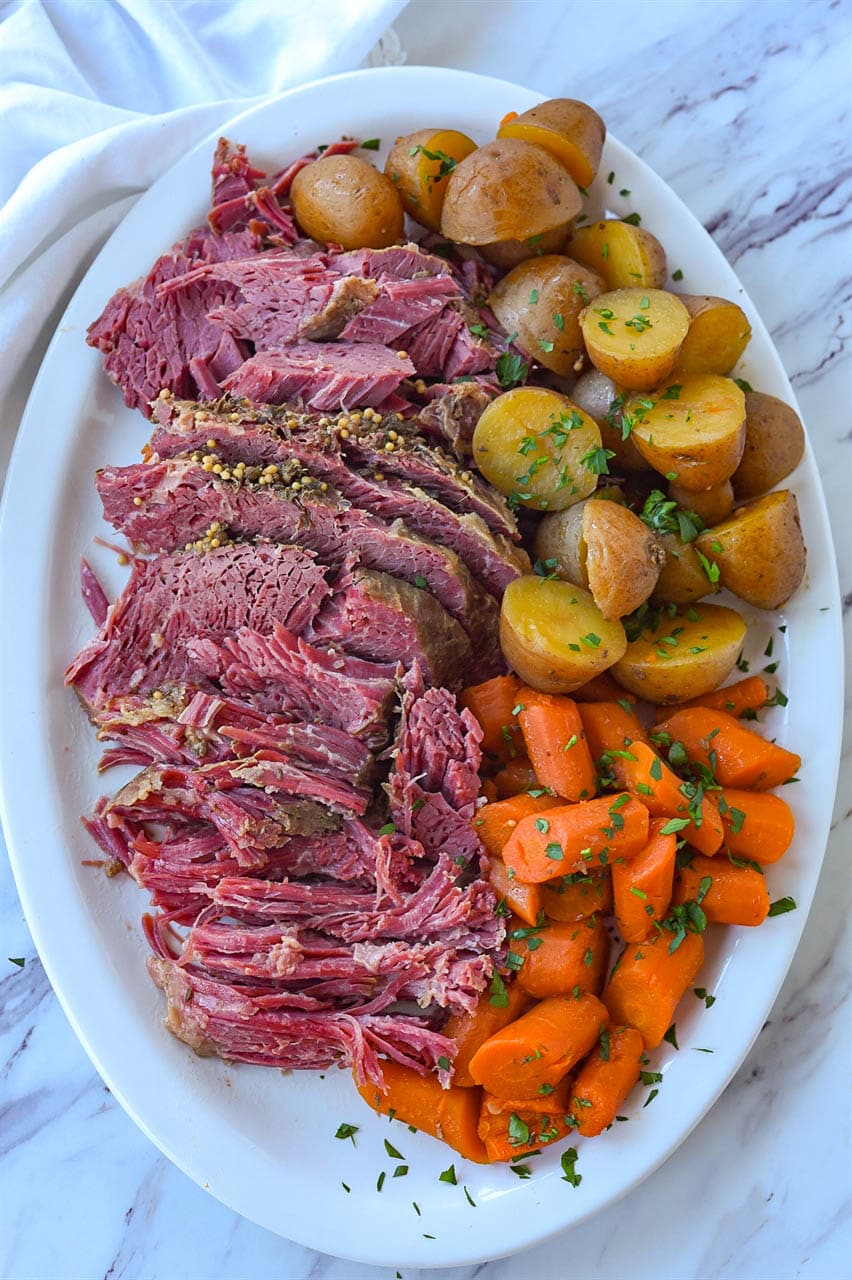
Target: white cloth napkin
[99, 97]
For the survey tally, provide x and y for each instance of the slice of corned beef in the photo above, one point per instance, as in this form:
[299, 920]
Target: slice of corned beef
[401, 306]
[399, 262]
[322, 375]
[452, 413]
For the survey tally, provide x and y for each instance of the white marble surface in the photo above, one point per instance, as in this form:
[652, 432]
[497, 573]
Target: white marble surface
[744, 107]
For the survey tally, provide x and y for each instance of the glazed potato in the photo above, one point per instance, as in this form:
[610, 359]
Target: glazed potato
[627, 257]
[760, 550]
[506, 254]
[599, 397]
[719, 333]
[710, 505]
[554, 635]
[344, 200]
[774, 444]
[571, 131]
[535, 446]
[541, 301]
[682, 579]
[602, 545]
[701, 646]
[507, 190]
[634, 335]
[694, 431]
[420, 165]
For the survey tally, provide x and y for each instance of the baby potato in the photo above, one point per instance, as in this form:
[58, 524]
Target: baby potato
[344, 200]
[693, 432]
[506, 254]
[571, 131]
[540, 301]
[602, 545]
[677, 656]
[507, 190]
[719, 333]
[760, 550]
[682, 577]
[599, 397]
[710, 505]
[634, 335]
[420, 165]
[554, 635]
[774, 445]
[627, 257]
[535, 446]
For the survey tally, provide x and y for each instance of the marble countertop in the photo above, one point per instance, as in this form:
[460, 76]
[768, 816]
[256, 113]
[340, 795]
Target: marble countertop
[745, 110]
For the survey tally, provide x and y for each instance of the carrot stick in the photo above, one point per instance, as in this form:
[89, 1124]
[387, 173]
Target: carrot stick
[648, 982]
[511, 1127]
[449, 1114]
[515, 777]
[523, 899]
[556, 745]
[641, 772]
[742, 758]
[470, 1030]
[495, 823]
[561, 959]
[575, 897]
[736, 699]
[602, 688]
[540, 1047]
[609, 727]
[757, 825]
[491, 703]
[576, 837]
[726, 894]
[605, 1079]
[642, 887]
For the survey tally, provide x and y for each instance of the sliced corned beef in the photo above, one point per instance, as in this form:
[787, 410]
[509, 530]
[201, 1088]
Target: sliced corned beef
[399, 262]
[324, 376]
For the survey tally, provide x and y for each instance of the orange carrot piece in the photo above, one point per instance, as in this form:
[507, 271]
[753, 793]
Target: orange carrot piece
[605, 1079]
[602, 688]
[511, 1127]
[757, 825]
[641, 772]
[576, 897]
[649, 980]
[735, 699]
[556, 745]
[725, 893]
[470, 1030]
[495, 823]
[491, 704]
[540, 1047]
[561, 959]
[743, 759]
[610, 728]
[523, 899]
[576, 837]
[449, 1114]
[642, 887]
[515, 777]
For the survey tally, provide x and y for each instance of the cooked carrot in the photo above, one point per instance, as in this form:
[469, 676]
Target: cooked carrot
[492, 703]
[488, 789]
[540, 1047]
[641, 772]
[736, 699]
[576, 837]
[511, 1127]
[523, 899]
[561, 959]
[556, 745]
[726, 894]
[470, 1030]
[575, 897]
[609, 727]
[605, 1079]
[515, 777]
[642, 887]
[757, 825]
[602, 688]
[742, 758]
[649, 980]
[449, 1114]
[495, 823]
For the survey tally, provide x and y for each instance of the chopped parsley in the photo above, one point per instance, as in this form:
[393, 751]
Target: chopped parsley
[347, 1131]
[781, 906]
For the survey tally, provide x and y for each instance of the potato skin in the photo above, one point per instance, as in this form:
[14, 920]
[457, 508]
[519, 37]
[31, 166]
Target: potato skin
[716, 631]
[774, 445]
[554, 636]
[760, 550]
[719, 333]
[344, 200]
[627, 257]
[506, 254]
[596, 395]
[634, 335]
[559, 539]
[695, 431]
[560, 288]
[416, 176]
[623, 557]
[570, 130]
[682, 579]
[711, 505]
[507, 190]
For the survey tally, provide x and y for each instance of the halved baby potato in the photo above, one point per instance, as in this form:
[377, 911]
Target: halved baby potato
[760, 550]
[719, 333]
[506, 254]
[569, 130]
[774, 445]
[692, 432]
[683, 579]
[554, 635]
[345, 200]
[634, 335]
[507, 190]
[710, 505]
[540, 301]
[599, 397]
[420, 165]
[627, 257]
[683, 655]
